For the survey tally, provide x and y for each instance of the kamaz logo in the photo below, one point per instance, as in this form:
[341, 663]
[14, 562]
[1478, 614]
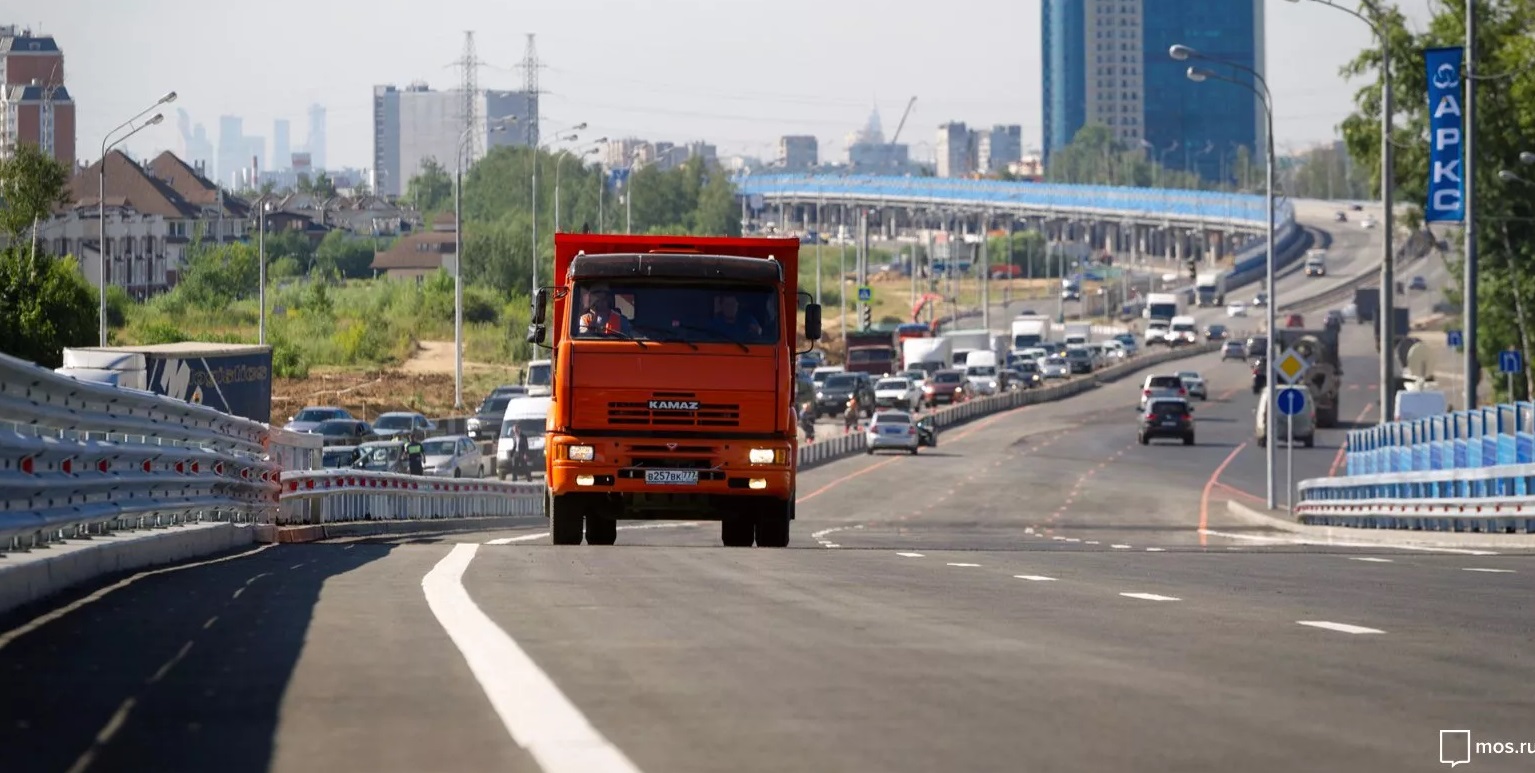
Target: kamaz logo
[673, 405]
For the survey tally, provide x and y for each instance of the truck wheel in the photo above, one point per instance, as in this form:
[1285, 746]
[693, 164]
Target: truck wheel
[737, 531]
[565, 520]
[601, 530]
[773, 524]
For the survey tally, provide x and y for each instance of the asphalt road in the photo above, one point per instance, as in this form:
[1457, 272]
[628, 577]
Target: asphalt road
[1033, 594]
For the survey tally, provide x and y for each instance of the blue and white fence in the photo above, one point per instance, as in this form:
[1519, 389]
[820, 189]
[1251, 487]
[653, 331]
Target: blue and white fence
[1461, 471]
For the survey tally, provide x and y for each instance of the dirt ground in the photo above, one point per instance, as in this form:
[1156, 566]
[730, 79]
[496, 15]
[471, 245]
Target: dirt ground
[423, 383]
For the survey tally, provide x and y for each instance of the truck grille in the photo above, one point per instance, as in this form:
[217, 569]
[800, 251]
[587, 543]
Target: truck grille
[640, 414]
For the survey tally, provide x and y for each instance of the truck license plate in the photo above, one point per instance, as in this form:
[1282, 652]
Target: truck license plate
[672, 477]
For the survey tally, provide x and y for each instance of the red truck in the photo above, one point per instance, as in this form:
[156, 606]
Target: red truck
[673, 384]
[872, 351]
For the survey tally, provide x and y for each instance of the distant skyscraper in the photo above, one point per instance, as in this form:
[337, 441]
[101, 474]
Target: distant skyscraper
[413, 124]
[997, 148]
[798, 152]
[282, 149]
[316, 143]
[954, 150]
[233, 152]
[1106, 62]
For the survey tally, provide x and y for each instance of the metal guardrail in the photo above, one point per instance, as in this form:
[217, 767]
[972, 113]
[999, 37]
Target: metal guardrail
[78, 457]
[335, 496]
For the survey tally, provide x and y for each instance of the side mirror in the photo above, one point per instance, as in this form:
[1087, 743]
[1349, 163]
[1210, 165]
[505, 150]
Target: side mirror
[812, 322]
[536, 334]
[540, 304]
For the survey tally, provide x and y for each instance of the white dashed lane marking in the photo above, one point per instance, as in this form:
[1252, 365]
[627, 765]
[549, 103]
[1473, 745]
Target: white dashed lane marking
[1339, 627]
[967, 565]
[1493, 571]
[1150, 597]
[909, 555]
[1034, 577]
[1370, 559]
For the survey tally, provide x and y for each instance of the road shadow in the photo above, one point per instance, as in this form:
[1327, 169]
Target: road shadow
[180, 671]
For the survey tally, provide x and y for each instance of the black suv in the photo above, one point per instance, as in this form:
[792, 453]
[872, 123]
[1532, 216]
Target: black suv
[838, 388]
[1167, 417]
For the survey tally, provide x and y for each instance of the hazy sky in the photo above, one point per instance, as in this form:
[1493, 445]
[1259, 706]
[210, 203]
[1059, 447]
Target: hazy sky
[738, 73]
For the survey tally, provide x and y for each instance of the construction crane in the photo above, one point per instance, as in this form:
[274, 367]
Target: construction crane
[898, 127]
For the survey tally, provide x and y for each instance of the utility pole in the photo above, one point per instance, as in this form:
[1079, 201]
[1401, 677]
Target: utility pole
[1468, 282]
[863, 257]
[985, 266]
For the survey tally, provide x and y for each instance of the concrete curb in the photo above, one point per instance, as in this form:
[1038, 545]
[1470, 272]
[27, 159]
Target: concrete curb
[1386, 537]
[43, 572]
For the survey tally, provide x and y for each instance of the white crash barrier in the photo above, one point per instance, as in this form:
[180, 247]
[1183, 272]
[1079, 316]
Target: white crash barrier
[78, 457]
[334, 496]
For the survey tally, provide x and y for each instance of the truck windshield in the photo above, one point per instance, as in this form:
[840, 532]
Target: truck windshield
[538, 375]
[688, 312]
[1162, 310]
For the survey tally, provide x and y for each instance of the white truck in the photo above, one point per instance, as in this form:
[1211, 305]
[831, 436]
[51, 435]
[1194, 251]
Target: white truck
[1030, 331]
[1316, 263]
[1078, 333]
[966, 341]
[1159, 312]
[927, 354]
[981, 372]
[1182, 330]
[1210, 289]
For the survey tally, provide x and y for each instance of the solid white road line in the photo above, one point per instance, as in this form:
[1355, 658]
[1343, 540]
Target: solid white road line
[1339, 544]
[1034, 577]
[1340, 627]
[1494, 571]
[1150, 597]
[1370, 559]
[538, 716]
[909, 555]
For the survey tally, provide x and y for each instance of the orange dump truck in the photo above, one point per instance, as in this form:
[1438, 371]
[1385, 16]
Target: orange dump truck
[673, 384]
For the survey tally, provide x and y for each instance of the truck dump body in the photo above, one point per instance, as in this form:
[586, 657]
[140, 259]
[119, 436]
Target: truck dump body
[673, 384]
[872, 351]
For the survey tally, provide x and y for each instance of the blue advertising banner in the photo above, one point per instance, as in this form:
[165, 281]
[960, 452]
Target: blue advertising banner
[1446, 186]
[618, 177]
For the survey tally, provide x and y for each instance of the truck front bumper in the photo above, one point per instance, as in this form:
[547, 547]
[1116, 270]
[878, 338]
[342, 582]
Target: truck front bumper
[637, 468]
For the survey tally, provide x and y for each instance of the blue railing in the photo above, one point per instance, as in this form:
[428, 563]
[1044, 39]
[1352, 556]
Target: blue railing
[1487, 437]
[1142, 202]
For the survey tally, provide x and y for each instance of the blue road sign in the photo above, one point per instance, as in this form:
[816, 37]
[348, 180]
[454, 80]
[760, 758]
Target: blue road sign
[865, 293]
[1290, 401]
[1454, 339]
[1510, 362]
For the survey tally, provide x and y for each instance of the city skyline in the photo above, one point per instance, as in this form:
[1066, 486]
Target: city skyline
[665, 93]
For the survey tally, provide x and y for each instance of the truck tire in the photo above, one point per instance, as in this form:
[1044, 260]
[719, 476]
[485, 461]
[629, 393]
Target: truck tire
[601, 529]
[566, 521]
[773, 524]
[737, 531]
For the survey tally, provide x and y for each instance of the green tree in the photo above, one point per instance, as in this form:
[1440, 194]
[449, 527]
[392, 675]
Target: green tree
[1095, 157]
[341, 254]
[32, 185]
[45, 306]
[1505, 122]
[432, 189]
[217, 275]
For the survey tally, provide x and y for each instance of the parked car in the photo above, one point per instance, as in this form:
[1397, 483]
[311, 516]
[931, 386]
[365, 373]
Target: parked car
[311, 416]
[453, 456]
[343, 432]
[400, 424]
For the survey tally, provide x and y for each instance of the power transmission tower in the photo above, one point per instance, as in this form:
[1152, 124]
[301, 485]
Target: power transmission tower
[530, 67]
[472, 121]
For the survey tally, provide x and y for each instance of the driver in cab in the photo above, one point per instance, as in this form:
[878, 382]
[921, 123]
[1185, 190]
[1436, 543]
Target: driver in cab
[601, 318]
[732, 321]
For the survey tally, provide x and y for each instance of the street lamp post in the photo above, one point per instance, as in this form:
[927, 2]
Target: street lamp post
[1386, 318]
[566, 138]
[558, 162]
[1261, 90]
[458, 256]
[101, 198]
[261, 270]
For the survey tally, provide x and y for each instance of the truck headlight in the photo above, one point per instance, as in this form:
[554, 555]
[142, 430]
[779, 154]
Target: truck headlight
[579, 453]
[762, 456]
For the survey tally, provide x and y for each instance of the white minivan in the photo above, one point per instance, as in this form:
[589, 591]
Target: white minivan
[539, 377]
[531, 415]
[1301, 427]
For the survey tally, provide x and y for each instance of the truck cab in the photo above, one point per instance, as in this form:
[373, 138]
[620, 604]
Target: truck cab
[672, 391]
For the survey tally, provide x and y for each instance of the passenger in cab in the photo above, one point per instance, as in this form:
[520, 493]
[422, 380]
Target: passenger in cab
[601, 319]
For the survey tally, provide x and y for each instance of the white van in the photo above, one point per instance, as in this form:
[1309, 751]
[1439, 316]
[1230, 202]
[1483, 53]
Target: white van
[531, 415]
[981, 371]
[1302, 426]
[539, 378]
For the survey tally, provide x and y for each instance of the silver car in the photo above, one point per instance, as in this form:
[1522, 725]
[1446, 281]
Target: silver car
[453, 456]
[891, 430]
[398, 425]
